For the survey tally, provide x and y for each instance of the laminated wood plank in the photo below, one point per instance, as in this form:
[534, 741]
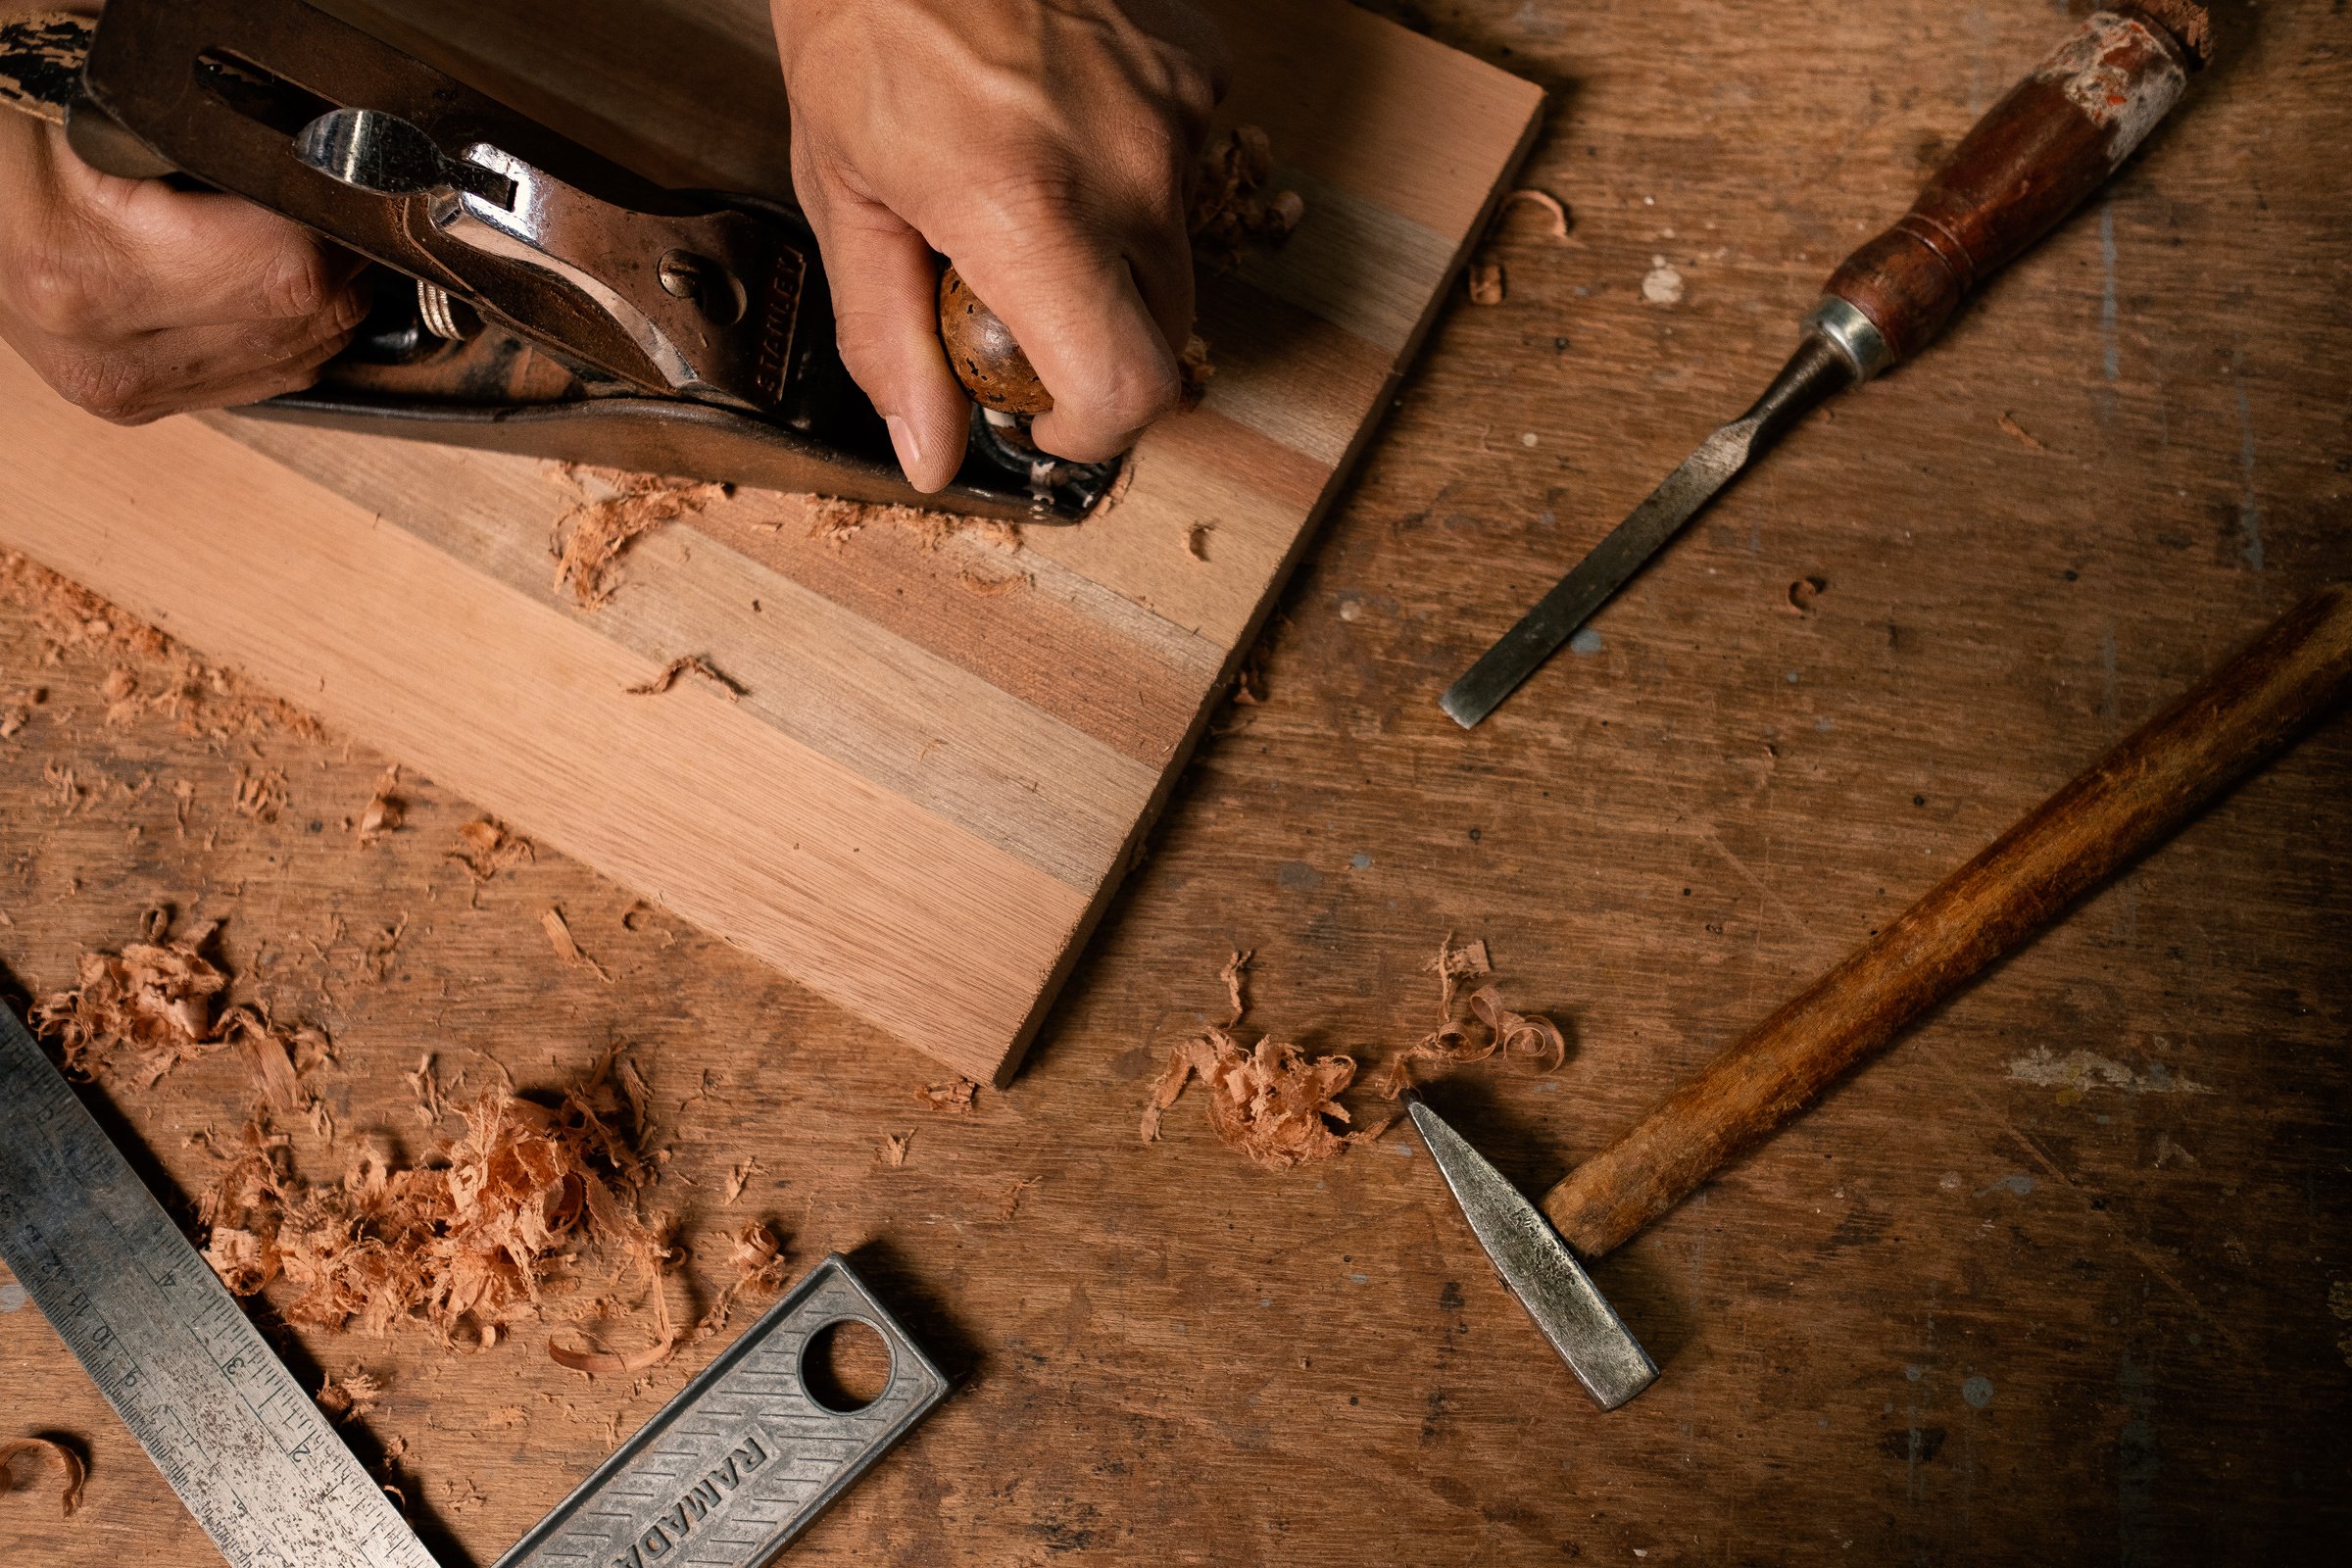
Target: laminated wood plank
[948, 742]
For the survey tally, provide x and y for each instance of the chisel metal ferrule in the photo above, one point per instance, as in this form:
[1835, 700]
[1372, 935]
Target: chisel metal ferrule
[1852, 334]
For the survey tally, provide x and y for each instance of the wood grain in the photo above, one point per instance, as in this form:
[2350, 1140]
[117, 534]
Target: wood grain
[2053, 1279]
[1038, 740]
[2134, 797]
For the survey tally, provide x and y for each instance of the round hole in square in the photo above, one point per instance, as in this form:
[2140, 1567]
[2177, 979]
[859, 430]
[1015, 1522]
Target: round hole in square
[845, 1365]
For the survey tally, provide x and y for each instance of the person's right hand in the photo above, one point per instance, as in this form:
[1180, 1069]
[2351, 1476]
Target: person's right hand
[135, 300]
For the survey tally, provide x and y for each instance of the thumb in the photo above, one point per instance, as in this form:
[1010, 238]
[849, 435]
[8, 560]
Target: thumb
[886, 321]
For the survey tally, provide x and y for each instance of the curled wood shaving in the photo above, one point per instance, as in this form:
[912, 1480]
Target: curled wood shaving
[485, 849]
[690, 664]
[1540, 198]
[1230, 206]
[14, 1448]
[384, 810]
[1196, 541]
[614, 509]
[2010, 427]
[349, 1397]
[1454, 1042]
[758, 1257]
[892, 1152]
[558, 937]
[426, 1087]
[958, 1095]
[1803, 593]
[1271, 1102]
[1485, 278]
[1194, 373]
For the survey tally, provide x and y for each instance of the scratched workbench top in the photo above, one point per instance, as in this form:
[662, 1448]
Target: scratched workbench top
[2068, 1275]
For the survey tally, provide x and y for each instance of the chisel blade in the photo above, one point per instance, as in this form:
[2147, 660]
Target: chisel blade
[1818, 369]
[1597, 578]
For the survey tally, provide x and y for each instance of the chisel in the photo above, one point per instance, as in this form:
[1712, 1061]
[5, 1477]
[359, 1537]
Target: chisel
[2029, 162]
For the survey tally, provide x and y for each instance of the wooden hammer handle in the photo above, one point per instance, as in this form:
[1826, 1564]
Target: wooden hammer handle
[2133, 797]
[2030, 160]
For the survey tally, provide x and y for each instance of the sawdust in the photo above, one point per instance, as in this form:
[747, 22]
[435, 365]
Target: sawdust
[690, 664]
[349, 1397]
[558, 937]
[958, 1095]
[1231, 208]
[614, 509]
[382, 949]
[891, 1153]
[485, 849]
[1194, 373]
[36, 1448]
[149, 672]
[65, 787]
[468, 1246]
[16, 711]
[425, 1085]
[384, 810]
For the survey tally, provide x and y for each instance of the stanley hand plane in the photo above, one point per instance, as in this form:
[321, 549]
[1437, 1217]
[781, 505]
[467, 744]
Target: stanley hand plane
[534, 297]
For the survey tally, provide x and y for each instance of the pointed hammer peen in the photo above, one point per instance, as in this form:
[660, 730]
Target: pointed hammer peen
[2133, 798]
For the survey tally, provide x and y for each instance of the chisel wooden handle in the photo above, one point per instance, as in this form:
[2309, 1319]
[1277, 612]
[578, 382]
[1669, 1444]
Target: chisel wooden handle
[2133, 797]
[2030, 160]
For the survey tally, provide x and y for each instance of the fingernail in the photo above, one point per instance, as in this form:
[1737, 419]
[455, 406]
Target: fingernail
[902, 441]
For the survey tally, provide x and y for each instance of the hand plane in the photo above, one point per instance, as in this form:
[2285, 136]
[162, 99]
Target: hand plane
[532, 296]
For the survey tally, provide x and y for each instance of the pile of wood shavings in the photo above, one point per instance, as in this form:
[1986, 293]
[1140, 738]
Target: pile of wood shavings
[615, 509]
[485, 849]
[467, 1245]
[1271, 1102]
[150, 672]
[1529, 1036]
[36, 1448]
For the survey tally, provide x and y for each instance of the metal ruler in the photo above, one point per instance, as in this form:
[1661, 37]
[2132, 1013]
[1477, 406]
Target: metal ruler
[732, 1468]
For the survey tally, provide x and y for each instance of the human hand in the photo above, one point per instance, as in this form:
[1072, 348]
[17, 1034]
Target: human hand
[135, 300]
[1043, 146]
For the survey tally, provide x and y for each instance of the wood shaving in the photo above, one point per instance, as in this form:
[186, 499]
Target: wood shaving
[426, 1087]
[740, 1177]
[1271, 1102]
[149, 1007]
[1236, 968]
[958, 1095]
[382, 949]
[1194, 371]
[690, 664]
[158, 675]
[892, 1152]
[614, 509]
[558, 937]
[262, 795]
[1013, 1189]
[758, 1257]
[485, 849]
[384, 810]
[2010, 427]
[1231, 208]
[1196, 541]
[14, 1448]
[1454, 1042]
[1803, 592]
[467, 1245]
[1485, 278]
[17, 712]
[1538, 198]
[65, 786]
[349, 1397]
[989, 587]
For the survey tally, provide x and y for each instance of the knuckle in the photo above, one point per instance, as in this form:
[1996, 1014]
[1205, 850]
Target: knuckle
[296, 281]
[61, 293]
[111, 388]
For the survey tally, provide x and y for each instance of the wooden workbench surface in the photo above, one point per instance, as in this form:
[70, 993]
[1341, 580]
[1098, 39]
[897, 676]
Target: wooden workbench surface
[2068, 1275]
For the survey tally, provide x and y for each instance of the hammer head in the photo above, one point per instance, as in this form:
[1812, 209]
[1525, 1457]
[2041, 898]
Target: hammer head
[1540, 1270]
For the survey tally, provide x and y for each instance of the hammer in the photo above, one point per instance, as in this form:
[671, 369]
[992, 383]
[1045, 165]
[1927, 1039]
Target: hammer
[2133, 798]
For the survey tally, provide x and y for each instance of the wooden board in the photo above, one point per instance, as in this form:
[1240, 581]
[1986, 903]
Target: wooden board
[947, 748]
[1968, 1311]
